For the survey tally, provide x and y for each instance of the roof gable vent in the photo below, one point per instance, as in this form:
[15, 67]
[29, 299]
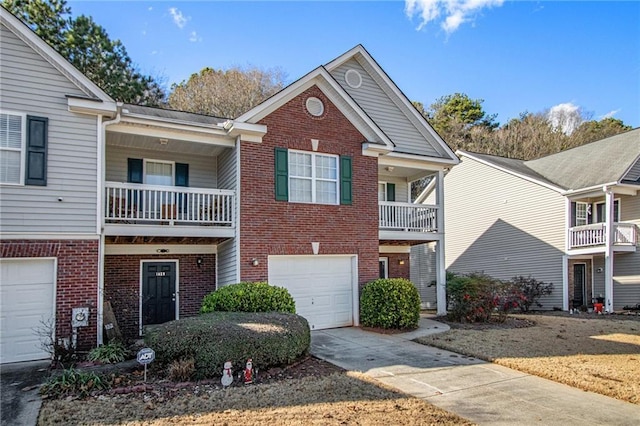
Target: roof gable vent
[315, 106]
[353, 78]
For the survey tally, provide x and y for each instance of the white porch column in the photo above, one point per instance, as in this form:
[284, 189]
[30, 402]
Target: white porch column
[441, 278]
[565, 282]
[608, 251]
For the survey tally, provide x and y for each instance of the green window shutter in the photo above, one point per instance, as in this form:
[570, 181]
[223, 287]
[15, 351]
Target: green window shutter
[134, 170]
[391, 191]
[182, 174]
[282, 174]
[346, 180]
[36, 172]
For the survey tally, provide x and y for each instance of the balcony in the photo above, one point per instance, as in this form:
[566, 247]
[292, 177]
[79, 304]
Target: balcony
[625, 236]
[135, 209]
[407, 221]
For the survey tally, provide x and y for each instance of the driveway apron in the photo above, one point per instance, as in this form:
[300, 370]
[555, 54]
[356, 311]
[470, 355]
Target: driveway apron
[482, 392]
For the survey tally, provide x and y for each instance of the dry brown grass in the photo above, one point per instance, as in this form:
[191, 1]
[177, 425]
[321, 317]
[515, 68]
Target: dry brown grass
[337, 399]
[597, 354]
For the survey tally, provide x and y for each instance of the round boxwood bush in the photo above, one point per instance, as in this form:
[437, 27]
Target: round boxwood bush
[390, 303]
[268, 338]
[249, 297]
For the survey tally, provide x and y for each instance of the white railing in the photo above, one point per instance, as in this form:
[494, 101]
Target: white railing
[407, 217]
[168, 205]
[595, 235]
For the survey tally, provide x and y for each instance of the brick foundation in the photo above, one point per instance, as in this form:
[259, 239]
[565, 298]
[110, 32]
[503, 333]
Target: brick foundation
[77, 280]
[122, 286]
[270, 227]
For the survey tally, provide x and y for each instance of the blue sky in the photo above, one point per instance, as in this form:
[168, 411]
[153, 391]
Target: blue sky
[516, 55]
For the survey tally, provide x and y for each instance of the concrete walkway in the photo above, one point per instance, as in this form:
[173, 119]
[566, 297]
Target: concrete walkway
[482, 392]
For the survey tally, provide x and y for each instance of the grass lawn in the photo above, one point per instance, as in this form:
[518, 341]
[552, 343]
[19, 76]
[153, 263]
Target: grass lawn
[342, 398]
[594, 353]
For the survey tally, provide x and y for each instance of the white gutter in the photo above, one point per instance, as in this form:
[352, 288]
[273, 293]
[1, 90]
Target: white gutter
[100, 167]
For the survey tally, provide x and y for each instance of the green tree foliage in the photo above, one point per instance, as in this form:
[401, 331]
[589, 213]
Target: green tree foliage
[225, 93]
[87, 46]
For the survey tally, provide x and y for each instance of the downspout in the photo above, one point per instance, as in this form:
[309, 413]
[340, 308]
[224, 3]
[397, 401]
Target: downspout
[100, 168]
[608, 249]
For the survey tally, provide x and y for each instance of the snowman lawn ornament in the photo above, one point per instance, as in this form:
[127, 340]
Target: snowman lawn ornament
[227, 376]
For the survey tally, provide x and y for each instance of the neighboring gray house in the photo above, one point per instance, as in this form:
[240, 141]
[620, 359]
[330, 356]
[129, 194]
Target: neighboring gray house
[569, 218]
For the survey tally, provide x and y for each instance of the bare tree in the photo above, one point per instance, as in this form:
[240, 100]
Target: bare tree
[225, 93]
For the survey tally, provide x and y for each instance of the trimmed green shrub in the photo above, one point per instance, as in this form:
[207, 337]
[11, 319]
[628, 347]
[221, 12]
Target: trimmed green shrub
[269, 339]
[249, 297]
[390, 303]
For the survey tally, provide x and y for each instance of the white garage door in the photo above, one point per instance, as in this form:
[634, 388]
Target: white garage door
[27, 289]
[322, 287]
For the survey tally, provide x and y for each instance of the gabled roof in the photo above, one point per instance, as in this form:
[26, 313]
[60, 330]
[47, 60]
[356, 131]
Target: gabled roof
[336, 94]
[23, 32]
[413, 123]
[605, 162]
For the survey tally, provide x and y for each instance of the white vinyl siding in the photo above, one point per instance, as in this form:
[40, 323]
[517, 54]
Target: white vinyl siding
[504, 226]
[313, 178]
[386, 113]
[202, 169]
[227, 268]
[227, 263]
[32, 86]
[626, 271]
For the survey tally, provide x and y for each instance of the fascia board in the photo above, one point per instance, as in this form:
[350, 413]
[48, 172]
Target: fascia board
[317, 77]
[247, 131]
[399, 157]
[25, 34]
[511, 172]
[92, 106]
[401, 98]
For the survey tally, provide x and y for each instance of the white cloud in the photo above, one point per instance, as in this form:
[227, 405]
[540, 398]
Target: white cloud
[610, 114]
[565, 117]
[193, 37]
[454, 12]
[178, 18]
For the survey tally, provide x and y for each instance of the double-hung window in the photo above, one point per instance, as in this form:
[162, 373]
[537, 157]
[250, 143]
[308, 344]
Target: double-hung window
[23, 149]
[582, 214]
[313, 178]
[12, 146]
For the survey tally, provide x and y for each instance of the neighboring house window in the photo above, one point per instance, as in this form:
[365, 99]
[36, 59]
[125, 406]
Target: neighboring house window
[601, 215]
[310, 177]
[582, 214]
[23, 149]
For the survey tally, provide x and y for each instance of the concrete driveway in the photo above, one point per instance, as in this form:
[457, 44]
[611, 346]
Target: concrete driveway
[482, 392]
[20, 383]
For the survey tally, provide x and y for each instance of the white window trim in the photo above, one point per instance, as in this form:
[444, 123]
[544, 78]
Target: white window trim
[151, 160]
[615, 219]
[23, 147]
[385, 190]
[313, 177]
[385, 260]
[587, 207]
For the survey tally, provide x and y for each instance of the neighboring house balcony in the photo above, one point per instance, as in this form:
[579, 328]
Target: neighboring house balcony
[154, 210]
[407, 221]
[593, 237]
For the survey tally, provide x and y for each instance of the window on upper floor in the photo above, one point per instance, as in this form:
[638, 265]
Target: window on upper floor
[311, 177]
[601, 213]
[23, 149]
[582, 214]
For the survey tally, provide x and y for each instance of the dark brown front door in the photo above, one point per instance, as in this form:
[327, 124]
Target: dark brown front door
[158, 292]
[579, 284]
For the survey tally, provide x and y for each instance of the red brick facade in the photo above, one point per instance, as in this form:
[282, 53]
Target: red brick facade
[398, 264]
[77, 280]
[270, 227]
[122, 285]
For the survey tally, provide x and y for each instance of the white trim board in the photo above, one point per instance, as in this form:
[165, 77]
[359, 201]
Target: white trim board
[136, 249]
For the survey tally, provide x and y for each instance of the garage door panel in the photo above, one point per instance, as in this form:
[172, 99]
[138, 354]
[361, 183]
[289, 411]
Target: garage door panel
[322, 287]
[27, 291]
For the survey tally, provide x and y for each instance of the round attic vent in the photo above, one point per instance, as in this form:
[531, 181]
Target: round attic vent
[315, 106]
[353, 78]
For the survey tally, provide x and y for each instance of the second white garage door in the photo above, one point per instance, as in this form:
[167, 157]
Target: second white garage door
[323, 287]
[27, 291]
